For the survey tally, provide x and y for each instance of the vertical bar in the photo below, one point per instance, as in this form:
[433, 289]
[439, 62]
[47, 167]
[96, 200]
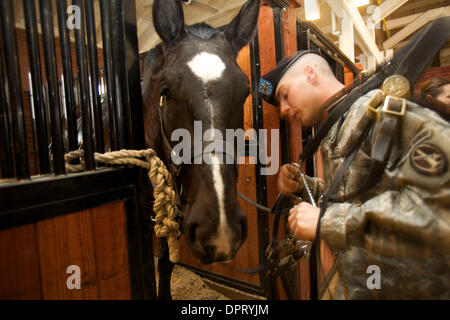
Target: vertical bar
[36, 80]
[15, 89]
[280, 54]
[80, 41]
[53, 89]
[134, 74]
[105, 9]
[93, 63]
[6, 159]
[120, 76]
[261, 186]
[66, 55]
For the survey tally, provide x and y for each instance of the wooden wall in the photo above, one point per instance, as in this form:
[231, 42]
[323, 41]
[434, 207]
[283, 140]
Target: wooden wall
[34, 258]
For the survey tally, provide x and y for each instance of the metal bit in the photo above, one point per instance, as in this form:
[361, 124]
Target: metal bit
[305, 184]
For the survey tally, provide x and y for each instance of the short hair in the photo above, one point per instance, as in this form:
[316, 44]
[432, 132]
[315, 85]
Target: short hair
[313, 60]
[433, 87]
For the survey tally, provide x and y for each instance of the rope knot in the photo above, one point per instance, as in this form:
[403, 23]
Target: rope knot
[163, 188]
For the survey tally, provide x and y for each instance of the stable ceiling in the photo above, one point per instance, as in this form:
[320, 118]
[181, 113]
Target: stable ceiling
[220, 12]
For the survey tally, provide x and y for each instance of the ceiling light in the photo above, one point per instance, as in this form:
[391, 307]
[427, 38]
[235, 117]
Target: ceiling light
[312, 11]
[360, 3]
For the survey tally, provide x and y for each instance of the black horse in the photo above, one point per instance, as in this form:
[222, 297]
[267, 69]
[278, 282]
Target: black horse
[195, 72]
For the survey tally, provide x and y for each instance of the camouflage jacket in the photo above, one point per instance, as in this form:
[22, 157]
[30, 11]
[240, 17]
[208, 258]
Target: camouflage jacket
[401, 226]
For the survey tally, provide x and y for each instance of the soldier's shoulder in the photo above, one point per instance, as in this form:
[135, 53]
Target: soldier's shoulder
[425, 146]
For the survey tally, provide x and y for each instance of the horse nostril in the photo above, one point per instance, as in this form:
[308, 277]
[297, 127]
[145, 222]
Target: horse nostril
[191, 232]
[210, 250]
[244, 228]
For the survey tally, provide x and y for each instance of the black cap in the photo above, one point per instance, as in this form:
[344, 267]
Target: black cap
[269, 82]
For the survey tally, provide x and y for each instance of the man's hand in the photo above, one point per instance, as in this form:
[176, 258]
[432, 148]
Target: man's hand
[303, 221]
[289, 179]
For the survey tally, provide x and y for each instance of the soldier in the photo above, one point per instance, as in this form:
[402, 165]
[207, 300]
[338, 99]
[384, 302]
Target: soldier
[387, 221]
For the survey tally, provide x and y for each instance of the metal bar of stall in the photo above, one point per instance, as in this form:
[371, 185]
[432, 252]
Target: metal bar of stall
[105, 9]
[6, 159]
[261, 182]
[40, 124]
[85, 102]
[93, 63]
[120, 76]
[15, 89]
[53, 89]
[66, 57]
[280, 54]
[134, 74]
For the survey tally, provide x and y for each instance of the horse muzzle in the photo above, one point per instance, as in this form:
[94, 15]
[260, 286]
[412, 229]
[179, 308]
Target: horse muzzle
[216, 242]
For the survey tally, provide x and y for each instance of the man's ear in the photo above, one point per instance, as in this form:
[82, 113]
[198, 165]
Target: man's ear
[168, 19]
[241, 29]
[310, 74]
[429, 99]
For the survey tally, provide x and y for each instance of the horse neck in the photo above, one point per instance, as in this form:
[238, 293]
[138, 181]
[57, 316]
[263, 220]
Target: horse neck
[152, 123]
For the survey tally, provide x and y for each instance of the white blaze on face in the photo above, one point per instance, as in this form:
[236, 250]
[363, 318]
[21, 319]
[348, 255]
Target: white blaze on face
[222, 239]
[207, 66]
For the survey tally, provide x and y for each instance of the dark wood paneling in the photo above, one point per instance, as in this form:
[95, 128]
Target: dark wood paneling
[64, 241]
[19, 264]
[271, 113]
[111, 251]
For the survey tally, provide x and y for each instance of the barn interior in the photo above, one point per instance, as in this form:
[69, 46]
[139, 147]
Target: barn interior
[357, 35]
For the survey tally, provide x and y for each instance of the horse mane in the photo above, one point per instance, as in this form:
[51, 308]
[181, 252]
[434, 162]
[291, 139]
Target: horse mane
[202, 31]
[154, 62]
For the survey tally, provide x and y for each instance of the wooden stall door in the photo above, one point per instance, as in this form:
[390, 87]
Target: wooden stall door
[34, 258]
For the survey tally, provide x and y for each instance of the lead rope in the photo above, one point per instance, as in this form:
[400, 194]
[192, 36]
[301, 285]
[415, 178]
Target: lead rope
[165, 206]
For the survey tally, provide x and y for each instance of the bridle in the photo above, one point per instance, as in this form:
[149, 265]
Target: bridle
[176, 167]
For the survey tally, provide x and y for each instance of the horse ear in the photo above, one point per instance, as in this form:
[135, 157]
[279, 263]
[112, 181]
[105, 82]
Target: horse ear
[241, 30]
[168, 19]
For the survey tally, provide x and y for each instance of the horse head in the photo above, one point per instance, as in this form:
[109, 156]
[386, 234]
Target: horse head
[194, 70]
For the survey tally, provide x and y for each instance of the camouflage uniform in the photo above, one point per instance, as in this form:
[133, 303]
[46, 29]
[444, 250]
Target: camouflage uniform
[402, 225]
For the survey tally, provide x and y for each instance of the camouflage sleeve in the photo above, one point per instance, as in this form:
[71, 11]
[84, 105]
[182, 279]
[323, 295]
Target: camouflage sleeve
[409, 213]
[391, 223]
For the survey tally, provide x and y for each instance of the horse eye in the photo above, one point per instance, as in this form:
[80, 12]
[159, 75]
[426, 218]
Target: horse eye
[165, 92]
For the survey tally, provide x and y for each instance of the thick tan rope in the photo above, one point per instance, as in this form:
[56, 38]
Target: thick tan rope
[163, 189]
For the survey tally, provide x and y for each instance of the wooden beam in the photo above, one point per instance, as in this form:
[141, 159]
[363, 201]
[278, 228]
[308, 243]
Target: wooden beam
[418, 5]
[404, 21]
[233, 6]
[297, 3]
[415, 25]
[386, 8]
[401, 22]
[362, 30]
[346, 39]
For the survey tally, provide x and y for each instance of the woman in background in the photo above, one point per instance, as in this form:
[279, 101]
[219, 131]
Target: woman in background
[435, 94]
